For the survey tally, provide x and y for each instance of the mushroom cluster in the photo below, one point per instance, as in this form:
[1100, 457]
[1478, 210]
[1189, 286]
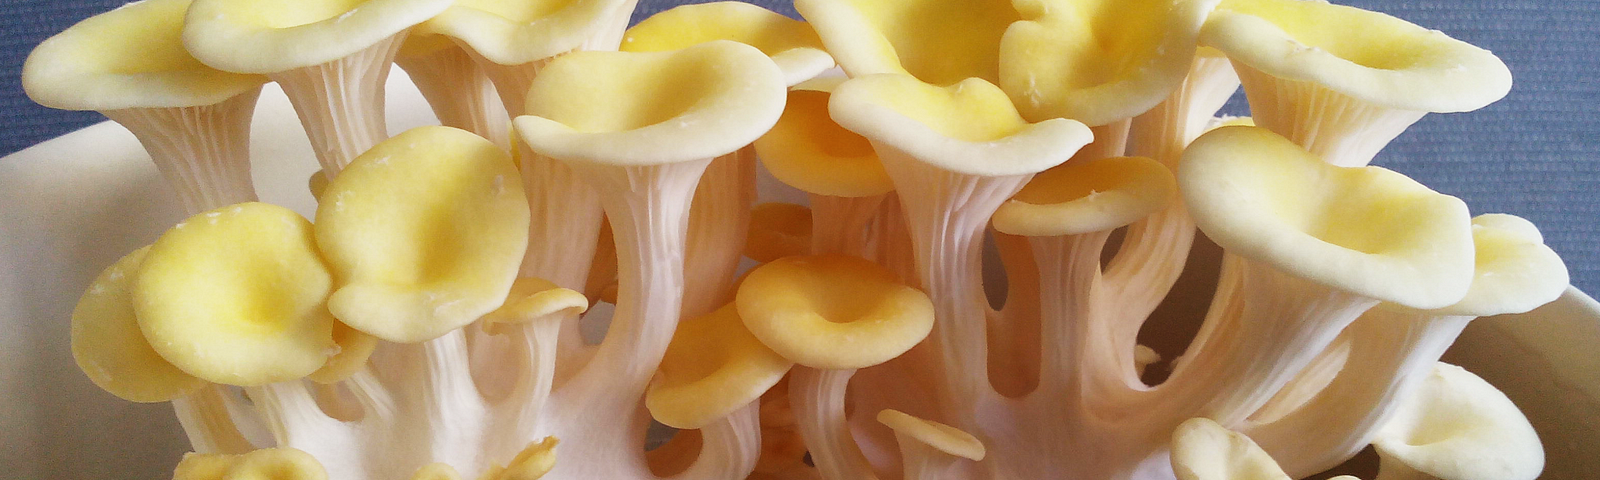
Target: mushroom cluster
[429, 322]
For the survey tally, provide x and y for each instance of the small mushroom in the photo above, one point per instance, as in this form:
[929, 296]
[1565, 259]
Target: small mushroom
[713, 367]
[130, 64]
[930, 450]
[837, 167]
[831, 314]
[263, 464]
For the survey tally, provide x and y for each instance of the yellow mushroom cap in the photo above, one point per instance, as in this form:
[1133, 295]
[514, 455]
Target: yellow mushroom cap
[627, 108]
[1457, 426]
[778, 230]
[269, 36]
[238, 296]
[791, 43]
[532, 298]
[131, 57]
[808, 151]
[943, 437]
[110, 349]
[1098, 61]
[514, 32]
[1367, 230]
[1082, 197]
[970, 127]
[713, 367]
[1367, 55]
[832, 311]
[265, 464]
[1205, 450]
[424, 233]
[1515, 272]
[937, 41]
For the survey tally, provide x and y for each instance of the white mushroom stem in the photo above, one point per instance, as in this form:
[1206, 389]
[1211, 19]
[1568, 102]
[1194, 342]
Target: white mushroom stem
[599, 408]
[1014, 348]
[840, 224]
[1155, 249]
[818, 399]
[449, 403]
[207, 422]
[946, 213]
[459, 93]
[562, 233]
[341, 103]
[1342, 130]
[1075, 345]
[204, 152]
[892, 241]
[1277, 325]
[719, 221]
[1390, 353]
[292, 416]
[523, 408]
[729, 447]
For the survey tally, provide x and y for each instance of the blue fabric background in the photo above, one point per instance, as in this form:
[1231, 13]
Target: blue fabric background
[1532, 154]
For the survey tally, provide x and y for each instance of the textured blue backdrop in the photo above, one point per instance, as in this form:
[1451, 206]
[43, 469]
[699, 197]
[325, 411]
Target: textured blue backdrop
[1533, 154]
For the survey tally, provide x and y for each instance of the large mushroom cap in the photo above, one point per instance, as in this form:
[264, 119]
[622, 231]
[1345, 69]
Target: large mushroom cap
[425, 232]
[970, 127]
[514, 32]
[269, 36]
[238, 296]
[1515, 271]
[1083, 197]
[1366, 230]
[628, 108]
[808, 151]
[833, 311]
[110, 349]
[792, 44]
[131, 57]
[1367, 55]
[713, 367]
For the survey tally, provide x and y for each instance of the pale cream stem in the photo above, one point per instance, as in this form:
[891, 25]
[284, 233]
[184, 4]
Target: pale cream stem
[923, 462]
[459, 93]
[204, 152]
[1070, 293]
[1390, 354]
[1282, 323]
[892, 242]
[1341, 130]
[818, 401]
[1155, 249]
[719, 220]
[206, 421]
[456, 414]
[839, 225]
[1014, 330]
[648, 207]
[729, 446]
[341, 103]
[520, 412]
[946, 213]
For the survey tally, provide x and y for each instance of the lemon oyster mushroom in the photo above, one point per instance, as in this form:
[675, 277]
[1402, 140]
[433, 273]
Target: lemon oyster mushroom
[425, 325]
